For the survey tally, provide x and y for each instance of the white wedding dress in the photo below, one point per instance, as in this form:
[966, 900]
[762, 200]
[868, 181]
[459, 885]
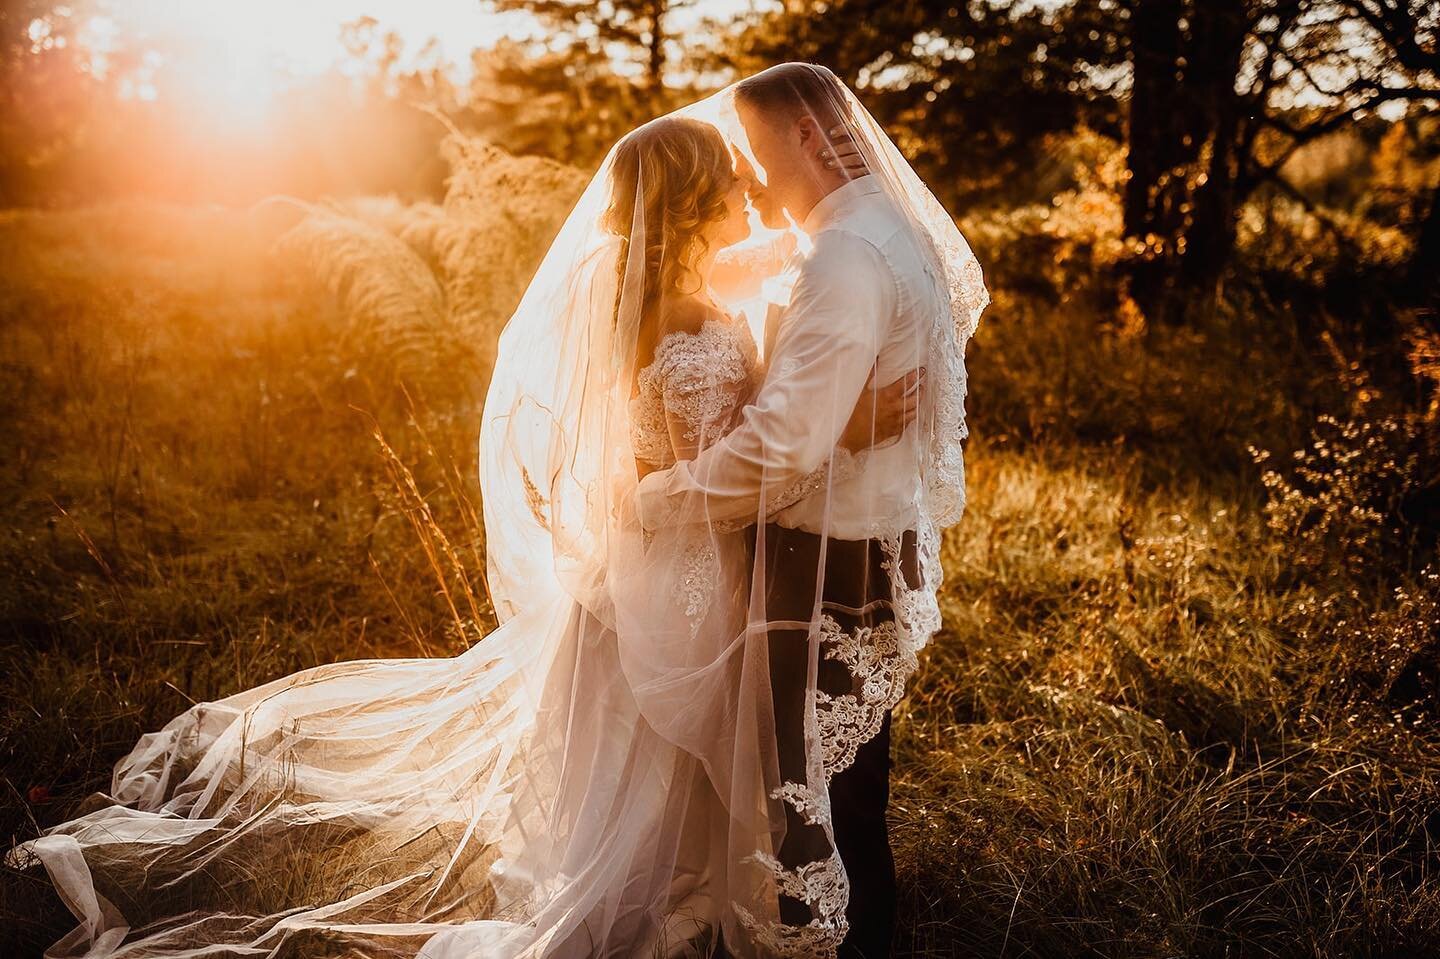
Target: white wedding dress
[690, 392]
[395, 777]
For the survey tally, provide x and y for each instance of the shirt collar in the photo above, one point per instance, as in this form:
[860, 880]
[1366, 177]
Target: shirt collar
[831, 204]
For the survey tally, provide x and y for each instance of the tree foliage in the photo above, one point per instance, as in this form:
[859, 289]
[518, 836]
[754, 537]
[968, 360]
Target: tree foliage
[47, 94]
[1225, 92]
[969, 90]
[1213, 97]
[633, 30]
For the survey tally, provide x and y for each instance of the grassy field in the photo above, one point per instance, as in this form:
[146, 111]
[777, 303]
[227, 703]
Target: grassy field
[1184, 700]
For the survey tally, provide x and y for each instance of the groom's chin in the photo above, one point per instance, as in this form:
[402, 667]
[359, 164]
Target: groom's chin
[741, 234]
[773, 218]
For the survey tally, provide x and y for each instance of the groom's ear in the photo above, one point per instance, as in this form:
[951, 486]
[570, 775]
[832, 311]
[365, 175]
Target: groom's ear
[808, 130]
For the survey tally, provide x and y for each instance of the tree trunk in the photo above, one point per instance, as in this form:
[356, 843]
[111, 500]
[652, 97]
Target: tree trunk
[1185, 154]
[1155, 136]
[1156, 151]
[1218, 42]
[655, 65]
[1423, 273]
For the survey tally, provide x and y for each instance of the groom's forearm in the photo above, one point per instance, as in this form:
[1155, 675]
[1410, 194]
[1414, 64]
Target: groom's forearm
[733, 495]
[673, 497]
[689, 492]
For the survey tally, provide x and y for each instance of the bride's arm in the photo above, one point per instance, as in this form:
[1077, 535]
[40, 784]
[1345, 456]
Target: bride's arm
[688, 403]
[882, 413]
[700, 389]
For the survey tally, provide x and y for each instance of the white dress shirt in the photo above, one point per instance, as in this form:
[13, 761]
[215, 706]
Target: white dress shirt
[865, 297]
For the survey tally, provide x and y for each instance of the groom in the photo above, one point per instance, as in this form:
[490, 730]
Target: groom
[863, 301]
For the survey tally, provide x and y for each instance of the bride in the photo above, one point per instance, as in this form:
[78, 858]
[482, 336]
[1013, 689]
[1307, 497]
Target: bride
[604, 774]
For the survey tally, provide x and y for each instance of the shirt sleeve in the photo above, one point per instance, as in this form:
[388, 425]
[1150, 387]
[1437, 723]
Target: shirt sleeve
[826, 347]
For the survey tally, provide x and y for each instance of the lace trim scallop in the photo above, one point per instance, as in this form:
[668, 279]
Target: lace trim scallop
[880, 667]
[841, 466]
[816, 939]
[944, 478]
[824, 887]
[813, 805]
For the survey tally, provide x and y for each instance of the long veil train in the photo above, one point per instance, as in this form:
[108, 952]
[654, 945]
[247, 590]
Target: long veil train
[599, 775]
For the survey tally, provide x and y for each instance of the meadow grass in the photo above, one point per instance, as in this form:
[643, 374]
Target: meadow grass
[1183, 701]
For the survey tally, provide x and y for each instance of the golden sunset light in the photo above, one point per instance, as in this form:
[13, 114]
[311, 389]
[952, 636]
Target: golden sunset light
[240, 57]
[719, 479]
[237, 58]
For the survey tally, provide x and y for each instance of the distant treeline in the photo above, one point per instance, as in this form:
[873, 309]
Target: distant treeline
[1215, 104]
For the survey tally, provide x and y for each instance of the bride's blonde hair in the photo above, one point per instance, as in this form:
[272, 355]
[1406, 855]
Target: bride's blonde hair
[676, 172]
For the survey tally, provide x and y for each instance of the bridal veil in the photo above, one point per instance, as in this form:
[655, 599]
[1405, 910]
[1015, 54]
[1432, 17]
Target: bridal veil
[601, 774]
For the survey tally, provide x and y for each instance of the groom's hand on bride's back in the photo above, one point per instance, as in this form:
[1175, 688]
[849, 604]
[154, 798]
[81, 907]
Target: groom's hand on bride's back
[883, 413]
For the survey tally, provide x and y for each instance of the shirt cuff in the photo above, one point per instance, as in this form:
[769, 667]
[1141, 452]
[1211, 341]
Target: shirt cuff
[652, 503]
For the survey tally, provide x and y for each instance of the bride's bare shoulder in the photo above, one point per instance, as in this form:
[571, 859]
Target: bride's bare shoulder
[674, 317]
[685, 314]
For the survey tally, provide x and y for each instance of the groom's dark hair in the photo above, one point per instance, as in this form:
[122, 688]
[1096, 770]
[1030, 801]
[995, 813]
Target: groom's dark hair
[794, 90]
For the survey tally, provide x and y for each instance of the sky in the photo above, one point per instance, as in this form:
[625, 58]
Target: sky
[262, 42]
[233, 57]
[302, 38]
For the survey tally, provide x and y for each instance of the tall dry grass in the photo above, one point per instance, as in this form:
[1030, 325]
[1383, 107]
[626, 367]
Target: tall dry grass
[1183, 703]
[425, 287]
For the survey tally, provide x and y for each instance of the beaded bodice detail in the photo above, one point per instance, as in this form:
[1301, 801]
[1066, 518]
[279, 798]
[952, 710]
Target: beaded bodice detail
[694, 386]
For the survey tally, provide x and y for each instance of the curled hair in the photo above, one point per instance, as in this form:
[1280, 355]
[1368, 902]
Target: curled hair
[675, 172]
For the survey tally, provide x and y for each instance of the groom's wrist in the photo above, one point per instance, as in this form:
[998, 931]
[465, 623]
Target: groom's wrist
[651, 503]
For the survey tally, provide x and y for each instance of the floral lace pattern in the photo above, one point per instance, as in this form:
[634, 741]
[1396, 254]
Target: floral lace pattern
[814, 940]
[696, 586]
[697, 381]
[880, 669]
[824, 887]
[880, 658]
[813, 805]
[694, 386]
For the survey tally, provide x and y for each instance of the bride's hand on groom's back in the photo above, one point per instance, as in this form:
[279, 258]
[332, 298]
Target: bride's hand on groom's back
[883, 413]
[841, 152]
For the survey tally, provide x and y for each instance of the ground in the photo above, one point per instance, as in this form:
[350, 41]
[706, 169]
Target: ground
[1181, 703]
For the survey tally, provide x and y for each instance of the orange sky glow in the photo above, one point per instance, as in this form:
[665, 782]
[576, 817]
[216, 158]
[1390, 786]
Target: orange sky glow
[239, 56]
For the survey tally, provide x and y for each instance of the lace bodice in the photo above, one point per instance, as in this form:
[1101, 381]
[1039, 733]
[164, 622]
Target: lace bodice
[693, 387]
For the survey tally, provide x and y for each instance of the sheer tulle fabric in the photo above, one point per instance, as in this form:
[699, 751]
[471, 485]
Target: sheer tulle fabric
[599, 776]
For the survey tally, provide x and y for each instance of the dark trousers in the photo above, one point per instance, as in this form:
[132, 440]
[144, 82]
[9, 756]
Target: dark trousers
[860, 792]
